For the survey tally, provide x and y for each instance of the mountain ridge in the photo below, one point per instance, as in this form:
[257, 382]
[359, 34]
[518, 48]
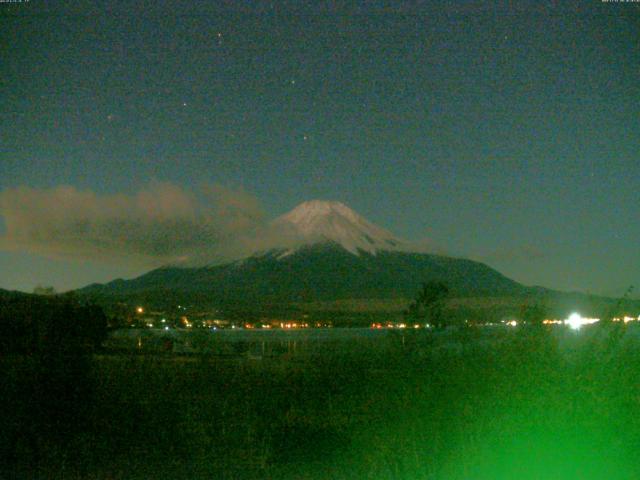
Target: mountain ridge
[331, 260]
[324, 271]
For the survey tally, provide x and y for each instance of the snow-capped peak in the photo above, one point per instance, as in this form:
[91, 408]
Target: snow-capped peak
[317, 221]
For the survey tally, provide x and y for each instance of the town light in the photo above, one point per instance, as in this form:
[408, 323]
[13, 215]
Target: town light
[576, 321]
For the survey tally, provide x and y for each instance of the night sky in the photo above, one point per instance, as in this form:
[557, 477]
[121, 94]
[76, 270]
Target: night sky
[506, 132]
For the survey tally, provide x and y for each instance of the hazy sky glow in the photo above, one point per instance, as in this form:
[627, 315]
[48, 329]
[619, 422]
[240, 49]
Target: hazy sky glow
[507, 134]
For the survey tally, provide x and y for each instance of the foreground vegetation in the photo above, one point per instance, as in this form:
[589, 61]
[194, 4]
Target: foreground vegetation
[513, 404]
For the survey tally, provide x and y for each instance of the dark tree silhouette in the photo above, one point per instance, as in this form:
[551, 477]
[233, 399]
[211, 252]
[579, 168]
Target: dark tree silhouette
[42, 290]
[33, 323]
[429, 305]
[51, 378]
[533, 314]
[616, 310]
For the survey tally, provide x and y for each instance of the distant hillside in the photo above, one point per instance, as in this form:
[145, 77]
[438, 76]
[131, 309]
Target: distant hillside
[322, 272]
[12, 294]
[324, 256]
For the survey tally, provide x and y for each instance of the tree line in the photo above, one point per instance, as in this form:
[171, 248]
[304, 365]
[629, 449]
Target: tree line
[34, 323]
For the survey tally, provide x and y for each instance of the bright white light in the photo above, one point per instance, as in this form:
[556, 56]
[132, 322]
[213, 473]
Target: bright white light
[512, 323]
[575, 321]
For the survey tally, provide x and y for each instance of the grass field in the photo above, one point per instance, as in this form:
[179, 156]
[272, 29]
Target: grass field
[526, 404]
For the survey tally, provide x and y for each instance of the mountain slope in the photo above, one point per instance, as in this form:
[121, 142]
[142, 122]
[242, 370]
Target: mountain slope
[4, 294]
[324, 271]
[320, 251]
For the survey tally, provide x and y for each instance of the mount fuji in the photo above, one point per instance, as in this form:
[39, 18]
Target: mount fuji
[319, 251]
[319, 221]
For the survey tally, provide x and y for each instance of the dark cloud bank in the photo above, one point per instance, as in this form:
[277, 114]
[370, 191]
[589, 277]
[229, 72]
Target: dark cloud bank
[162, 223]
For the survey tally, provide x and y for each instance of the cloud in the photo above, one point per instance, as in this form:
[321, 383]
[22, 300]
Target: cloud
[162, 223]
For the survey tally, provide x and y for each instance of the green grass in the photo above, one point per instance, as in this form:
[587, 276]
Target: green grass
[529, 405]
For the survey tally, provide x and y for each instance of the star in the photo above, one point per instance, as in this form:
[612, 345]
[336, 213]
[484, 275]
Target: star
[184, 104]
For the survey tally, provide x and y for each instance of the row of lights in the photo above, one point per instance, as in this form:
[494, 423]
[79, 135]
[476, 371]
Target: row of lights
[378, 326]
[575, 321]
